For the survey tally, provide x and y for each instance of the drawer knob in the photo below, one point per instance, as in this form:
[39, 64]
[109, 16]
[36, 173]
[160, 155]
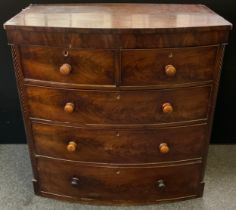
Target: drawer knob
[71, 146]
[170, 70]
[75, 181]
[160, 184]
[69, 107]
[167, 108]
[164, 148]
[65, 69]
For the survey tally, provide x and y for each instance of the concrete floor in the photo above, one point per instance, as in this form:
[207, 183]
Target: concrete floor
[16, 191]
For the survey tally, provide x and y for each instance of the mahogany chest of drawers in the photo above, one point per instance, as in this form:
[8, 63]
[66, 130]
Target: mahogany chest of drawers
[118, 99]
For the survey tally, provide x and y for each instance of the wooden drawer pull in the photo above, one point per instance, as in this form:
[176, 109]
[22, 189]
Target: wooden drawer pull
[160, 184]
[75, 181]
[69, 107]
[170, 70]
[164, 148]
[65, 69]
[167, 108]
[71, 146]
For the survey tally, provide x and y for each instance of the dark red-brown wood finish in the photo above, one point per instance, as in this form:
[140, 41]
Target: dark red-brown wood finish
[118, 99]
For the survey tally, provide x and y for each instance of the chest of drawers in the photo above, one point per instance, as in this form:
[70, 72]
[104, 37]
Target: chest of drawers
[118, 99]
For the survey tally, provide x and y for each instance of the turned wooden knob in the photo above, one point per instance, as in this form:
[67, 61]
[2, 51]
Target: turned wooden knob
[65, 69]
[164, 148]
[75, 181]
[167, 108]
[71, 146]
[69, 107]
[160, 184]
[170, 70]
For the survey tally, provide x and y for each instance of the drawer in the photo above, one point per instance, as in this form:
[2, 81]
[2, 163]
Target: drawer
[142, 184]
[81, 66]
[120, 145]
[168, 66]
[118, 107]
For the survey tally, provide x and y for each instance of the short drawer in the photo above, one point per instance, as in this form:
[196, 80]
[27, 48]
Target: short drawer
[119, 107]
[76, 66]
[169, 66]
[120, 145]
[112, 183]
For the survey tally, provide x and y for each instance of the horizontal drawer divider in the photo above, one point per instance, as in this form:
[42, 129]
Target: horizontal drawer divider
[121, 126]
[66, 85]
[129, 165]
[151, 126]
[110, 87]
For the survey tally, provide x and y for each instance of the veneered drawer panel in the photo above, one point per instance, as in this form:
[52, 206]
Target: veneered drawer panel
[184, 38]
[119, 145]
[96, 67]
[147, 67]
[82, 38]
[124, 107]
[118, 183]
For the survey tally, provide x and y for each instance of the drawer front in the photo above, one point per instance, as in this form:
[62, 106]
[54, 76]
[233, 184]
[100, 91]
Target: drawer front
[142, 184]
[152, 67]
[120, 146]
[95, 67]
[113, 107]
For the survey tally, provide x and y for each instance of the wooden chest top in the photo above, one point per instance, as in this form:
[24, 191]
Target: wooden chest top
[118, 16]
[116, 26]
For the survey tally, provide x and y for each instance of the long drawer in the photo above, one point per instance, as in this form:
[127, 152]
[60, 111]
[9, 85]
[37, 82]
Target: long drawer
[119, 145]
[118, 184]
[119, 107]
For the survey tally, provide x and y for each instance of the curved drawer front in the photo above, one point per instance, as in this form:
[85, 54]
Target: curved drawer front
[150, 67]
[119, 146]
[139, 184]
[94, 67]
[124, 107]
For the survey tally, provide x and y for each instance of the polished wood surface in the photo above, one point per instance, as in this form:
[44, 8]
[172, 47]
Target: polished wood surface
[124, 146]
[118, 184]
[118, 99]
[149, 67]
[109, 26]
[133, 39]
[86, 66]
[119, 107]
[118, 16]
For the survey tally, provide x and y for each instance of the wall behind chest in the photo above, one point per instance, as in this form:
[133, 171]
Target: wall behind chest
[11, 125]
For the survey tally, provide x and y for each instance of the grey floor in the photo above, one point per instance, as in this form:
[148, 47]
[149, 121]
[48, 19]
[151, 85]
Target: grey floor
[16, 191]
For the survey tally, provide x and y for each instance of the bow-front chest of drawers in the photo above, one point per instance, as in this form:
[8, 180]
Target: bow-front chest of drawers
[118, 99]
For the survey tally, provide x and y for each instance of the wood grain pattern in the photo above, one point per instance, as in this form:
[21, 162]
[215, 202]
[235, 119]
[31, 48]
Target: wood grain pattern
[100, 39]
[118, 16]
[117, 26]
[87, 66]
[94, 89]
[123, 146]
[147, 67]
[160, 39]
[118, 107]
[118, 184]
[25, 112]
